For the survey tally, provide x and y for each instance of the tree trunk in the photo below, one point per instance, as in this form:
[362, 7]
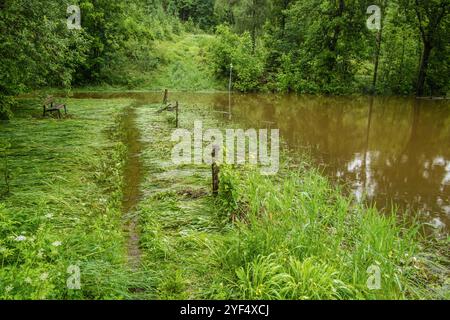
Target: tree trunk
[427, 47]
[332, 44]
[254, 26]
[377, 60]
[253, 39]
[402, 61]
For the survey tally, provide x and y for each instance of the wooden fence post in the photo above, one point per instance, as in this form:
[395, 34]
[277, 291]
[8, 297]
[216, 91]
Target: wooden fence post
[215, 171]
[166, 96]
[176, 109]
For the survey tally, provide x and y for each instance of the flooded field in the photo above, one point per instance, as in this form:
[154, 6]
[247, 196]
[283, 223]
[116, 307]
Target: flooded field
[393, 151]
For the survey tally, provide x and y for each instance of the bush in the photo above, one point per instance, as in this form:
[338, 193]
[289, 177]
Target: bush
[6, 104]
[230, 48]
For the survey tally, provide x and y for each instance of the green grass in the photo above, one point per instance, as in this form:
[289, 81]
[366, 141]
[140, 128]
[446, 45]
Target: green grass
[177, 220]
[182, 66]
[300, 238]
[65, 199]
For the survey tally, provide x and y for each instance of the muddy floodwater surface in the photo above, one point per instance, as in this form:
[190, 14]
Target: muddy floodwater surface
[132, 180]
[393, 151]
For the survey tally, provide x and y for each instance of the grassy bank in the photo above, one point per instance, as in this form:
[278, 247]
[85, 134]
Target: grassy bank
[182, 66]
[298, 237]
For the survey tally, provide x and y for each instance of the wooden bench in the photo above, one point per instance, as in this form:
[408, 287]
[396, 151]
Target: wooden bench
[50, 106]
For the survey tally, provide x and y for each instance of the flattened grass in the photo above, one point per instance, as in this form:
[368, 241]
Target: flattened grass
[64, 203]
[177, 219]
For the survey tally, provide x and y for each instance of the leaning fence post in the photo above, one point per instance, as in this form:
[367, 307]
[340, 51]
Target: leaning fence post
[215, 171]
[176, 109]
[166, 96]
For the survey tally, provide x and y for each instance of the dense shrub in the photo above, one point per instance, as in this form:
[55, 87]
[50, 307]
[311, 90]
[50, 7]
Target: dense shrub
[230, 48]
[6, 102]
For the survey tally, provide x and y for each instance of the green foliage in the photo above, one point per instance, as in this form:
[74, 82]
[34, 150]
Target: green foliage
[198, 12]
[306, 46]
[325, 47]
[114, 46]
[229, 48]
[230, 196]
[120, 36]
[301, 239]
[432, 19]
[244, 15]
[6, 104]
[36, 48]
[400, 53]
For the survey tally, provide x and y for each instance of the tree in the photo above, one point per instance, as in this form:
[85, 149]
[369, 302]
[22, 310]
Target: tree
[200, 12]
[244, 15]
[401, 51]
[36, 48]
[224, 11]
[327, 40]
[379, 39]
[430, 14]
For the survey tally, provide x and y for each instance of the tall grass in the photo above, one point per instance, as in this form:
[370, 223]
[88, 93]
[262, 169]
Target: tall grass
[298, 237]
[183, 65]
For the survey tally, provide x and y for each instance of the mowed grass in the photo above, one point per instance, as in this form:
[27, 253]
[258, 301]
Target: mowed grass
[63, 208]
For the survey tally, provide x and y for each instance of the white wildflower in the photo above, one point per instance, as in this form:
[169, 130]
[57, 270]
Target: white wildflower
[49, 215]
[21, 238]
[9, 288]
[28, 280]
[44, 276]
[57, 244]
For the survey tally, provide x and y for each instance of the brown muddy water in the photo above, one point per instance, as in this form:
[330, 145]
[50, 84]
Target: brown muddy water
[133, 173]
[392, 151]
